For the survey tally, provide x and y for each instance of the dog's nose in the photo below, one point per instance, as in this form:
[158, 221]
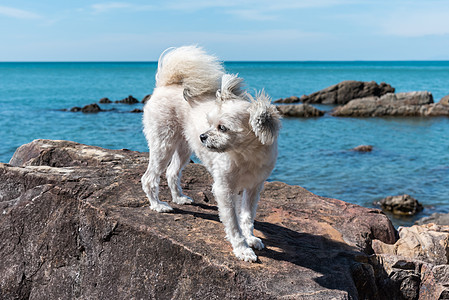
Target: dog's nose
[203, 137]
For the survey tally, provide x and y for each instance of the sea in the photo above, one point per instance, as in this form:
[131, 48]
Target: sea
[410, 155]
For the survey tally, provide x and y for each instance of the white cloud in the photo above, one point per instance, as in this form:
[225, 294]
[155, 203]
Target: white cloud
[113, 6]
[18, 13]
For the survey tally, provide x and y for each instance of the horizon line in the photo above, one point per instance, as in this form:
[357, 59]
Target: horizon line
[225, 61]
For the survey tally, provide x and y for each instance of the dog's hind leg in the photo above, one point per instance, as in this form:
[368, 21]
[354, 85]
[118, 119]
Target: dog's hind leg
[179, 159]
[150, 180]
[227, 213]
[247, 215]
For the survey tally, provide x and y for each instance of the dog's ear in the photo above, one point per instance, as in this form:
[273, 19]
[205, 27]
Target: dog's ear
[231, 87]
[264, 119]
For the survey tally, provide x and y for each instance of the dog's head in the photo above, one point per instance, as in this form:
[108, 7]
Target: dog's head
[240, 120]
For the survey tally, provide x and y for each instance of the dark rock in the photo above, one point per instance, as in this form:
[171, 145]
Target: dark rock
[400, 105]
[363, 148]
[76, 109]
[128, 100]
[292, 99]
[299, 110]
[91, 108]
[105, 100]
[76, 224]
[435, 218]
[346, 91]
[136, 110]
[146, 98]
[401, 205]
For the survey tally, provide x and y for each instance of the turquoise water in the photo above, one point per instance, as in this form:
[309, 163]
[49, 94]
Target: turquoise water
[411, 155]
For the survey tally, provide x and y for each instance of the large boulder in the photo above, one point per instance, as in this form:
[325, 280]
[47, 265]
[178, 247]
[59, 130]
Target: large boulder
[400, 104]
[418, 262]
[428, 242]
[346, 91]
[299, 110]
[76, 224]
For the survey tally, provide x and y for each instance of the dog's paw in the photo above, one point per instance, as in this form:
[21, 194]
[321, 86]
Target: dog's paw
[183, 200]
[255, 243]
[161, 207]
[246, 254]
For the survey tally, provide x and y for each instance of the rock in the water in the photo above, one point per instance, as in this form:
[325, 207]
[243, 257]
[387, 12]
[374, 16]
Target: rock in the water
[136, 110]
[292, 99]
[363, 148]
[105, 100]
[299, 110]
[400, 105]
[346, 91]
[444, 101]
[76, 109]
[401, 205]
[435, 218]
[91, 108]
[146, 98]
[75, 223]
[128, 100]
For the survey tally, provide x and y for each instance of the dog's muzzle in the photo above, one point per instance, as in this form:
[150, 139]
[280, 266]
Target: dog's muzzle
[203, 137]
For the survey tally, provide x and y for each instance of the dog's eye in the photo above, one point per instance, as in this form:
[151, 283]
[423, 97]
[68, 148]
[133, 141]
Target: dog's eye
[222, 128]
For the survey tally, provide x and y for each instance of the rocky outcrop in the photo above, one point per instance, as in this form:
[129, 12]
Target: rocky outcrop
[128, 100]
[401, 205]
[288, 100]
[418, 261]
[90, 108]
[299, 110]
[76, 224]
[105, 101]
[346, 91]
[401, 104]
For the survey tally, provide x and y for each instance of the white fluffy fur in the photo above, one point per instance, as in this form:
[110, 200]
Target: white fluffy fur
[196, 107]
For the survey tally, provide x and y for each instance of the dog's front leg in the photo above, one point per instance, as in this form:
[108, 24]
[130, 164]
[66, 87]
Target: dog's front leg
[226, 201]
[248, 213]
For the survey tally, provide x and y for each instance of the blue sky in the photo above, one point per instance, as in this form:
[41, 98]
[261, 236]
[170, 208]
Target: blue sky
[50, 30]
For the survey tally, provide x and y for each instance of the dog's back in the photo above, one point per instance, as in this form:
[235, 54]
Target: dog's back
[192, 68]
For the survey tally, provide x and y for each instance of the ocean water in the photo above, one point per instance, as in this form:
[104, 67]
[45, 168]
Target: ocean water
[411, 155]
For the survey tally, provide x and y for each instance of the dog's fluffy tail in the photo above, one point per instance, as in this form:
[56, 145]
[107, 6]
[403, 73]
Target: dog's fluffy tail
[191, 67]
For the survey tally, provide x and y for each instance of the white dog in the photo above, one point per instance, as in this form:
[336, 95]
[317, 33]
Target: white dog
[196, 106]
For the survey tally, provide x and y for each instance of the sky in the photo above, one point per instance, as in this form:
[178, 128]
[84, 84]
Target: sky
[234, 30]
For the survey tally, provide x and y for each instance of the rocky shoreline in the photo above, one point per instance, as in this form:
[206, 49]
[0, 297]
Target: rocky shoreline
[369, 99]
[351, 98]
[75, 224]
